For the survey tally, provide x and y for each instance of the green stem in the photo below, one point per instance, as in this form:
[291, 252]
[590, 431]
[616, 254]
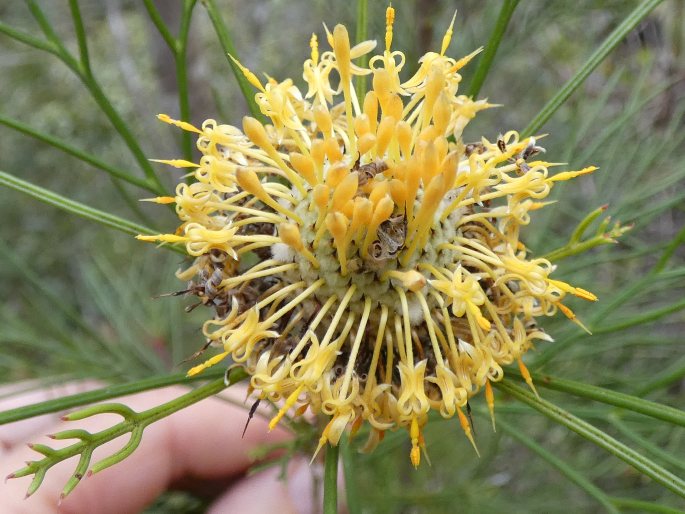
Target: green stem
[28, 39]
[106, 393]
[485, 61]
[362, 31]
[628, 24]
[566, 470]
[227, 45]
[353, 503]
[80, 36]
[79, 154]
[644, 506]
[74, 207]
[330, 480]
[596, 436]
[622, 400]
[180, 56]
[158, 22]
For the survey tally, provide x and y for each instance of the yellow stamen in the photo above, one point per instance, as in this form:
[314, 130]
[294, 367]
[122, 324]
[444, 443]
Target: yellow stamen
[490, 400]
[176, 163]
[415, 453]
[180, 124]
[290, 234]
[526, 376]
[466, 427]
[566, 175]
[571, 315]
[291, 400]
[159, 199]
[251, 77]
[208, 363]
[448, 35]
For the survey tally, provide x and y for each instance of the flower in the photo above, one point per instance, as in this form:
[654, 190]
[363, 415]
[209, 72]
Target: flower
[363, 262]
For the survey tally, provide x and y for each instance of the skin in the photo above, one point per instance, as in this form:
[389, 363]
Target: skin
[199, 448]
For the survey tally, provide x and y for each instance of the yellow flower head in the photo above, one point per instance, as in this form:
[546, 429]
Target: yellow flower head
[364, 262]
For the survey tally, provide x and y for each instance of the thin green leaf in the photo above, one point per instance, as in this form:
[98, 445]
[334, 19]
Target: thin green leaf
[361, 35]
[485, 60]
[74, 207]
[79, 154]
[596, 436]
[227, 45]
[574, 476]
[330, 480]
[628, 24]
[591, 392]
[106, 393]
[80, 36]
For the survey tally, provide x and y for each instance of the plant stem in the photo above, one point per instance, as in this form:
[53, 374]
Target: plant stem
[485, 61]
[74, 207]
[362, 30]
[227, 45]
[622, 400]
[79, 154]
[180, 55]
[106, 393]
[330, 480]
[598, 437]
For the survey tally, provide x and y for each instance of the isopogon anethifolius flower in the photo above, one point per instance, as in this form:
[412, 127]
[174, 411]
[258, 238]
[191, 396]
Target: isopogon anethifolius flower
[362, 261]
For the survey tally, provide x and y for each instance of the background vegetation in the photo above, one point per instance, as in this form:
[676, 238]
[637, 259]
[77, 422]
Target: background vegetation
[78, 297]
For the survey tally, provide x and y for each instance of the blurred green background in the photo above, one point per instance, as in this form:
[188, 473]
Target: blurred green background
[79, 297]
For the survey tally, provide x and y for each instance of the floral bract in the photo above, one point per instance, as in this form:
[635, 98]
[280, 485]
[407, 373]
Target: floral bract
[362, 260]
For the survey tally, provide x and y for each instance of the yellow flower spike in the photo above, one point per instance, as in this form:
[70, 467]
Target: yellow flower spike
[379, 191]
[289, 403]
[305, 167]
[361, 261]
[415, 434]
[366, 143]
[386, 130]
[371, 109]
[389, 21]
[322, 440]
[421, 224]
[404, 137]
[447, 38]
[257, 134]
[290, 235]
[572, 316]
[180, 124]
[163, 238]
[323, 120]
[337, 223]
[398, 192]
[160, 199]
[332, 149]
[251, 77]
[336, 174]
[490, 400]
[567, 175]
[176, 163]
[207, 364]
[466, 427]
[411, 280]
[464, 61]
[526, 376]
[248, 180]
[381, 212]
[577, 291]
[345, 191]
[314, 45]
